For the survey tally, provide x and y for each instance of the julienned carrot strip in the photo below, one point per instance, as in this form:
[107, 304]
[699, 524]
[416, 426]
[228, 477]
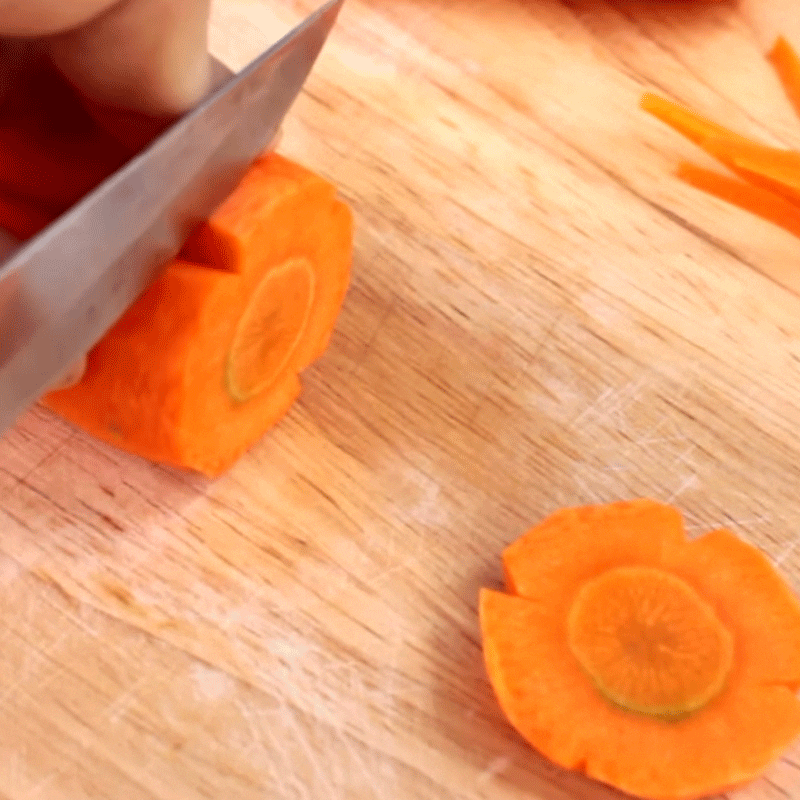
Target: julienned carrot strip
[761, 202]
[787, 64]
[772, 175]
[691, 125]
[771, 168]
[725, 145]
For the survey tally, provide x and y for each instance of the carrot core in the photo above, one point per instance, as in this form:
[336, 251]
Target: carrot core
[270, 328]
[649, 642]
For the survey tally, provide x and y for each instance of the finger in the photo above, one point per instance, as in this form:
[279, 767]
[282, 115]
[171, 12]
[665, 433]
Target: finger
[148, 56]
[34, 18]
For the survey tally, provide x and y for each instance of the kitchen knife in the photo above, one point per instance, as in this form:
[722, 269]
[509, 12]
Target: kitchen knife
[61, 291]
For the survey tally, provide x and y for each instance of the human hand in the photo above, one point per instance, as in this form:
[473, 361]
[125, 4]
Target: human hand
[149, 57]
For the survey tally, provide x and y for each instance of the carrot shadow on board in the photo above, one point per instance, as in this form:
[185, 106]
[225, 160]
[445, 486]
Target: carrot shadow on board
[470, 717]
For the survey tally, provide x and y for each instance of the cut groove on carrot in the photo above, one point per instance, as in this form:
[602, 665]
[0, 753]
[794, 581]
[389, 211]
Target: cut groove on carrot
[210, 247]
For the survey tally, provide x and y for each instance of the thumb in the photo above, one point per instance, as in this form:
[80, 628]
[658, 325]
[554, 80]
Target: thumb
[146, 56]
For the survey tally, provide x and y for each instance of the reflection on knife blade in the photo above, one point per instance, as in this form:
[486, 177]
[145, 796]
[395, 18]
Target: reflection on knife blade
[63, 290]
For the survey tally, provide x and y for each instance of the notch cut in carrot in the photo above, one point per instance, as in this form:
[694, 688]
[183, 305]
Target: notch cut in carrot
[663, 667]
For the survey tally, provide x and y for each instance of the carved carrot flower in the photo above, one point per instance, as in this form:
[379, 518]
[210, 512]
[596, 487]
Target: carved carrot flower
[768, 182]
[664, 667]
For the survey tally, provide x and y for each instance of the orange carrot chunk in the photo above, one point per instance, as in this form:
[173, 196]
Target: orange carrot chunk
[209, 357]
[663, 667]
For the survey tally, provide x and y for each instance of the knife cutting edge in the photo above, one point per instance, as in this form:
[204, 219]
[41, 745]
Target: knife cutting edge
[61, 291]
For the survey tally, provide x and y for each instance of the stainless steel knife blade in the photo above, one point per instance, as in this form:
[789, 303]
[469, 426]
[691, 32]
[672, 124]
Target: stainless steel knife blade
[61, 291]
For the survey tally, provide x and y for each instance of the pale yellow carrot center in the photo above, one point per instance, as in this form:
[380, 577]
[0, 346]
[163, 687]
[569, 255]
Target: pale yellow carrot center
[649, 642]
[270, 329]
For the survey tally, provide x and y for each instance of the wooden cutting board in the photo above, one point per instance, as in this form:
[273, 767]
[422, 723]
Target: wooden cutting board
[540, 315]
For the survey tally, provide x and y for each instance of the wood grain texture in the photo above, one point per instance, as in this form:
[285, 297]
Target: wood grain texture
[540, 315]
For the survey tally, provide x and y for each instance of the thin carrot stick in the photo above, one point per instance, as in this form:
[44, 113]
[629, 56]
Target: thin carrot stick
[772, 169]
[786, 62]
[761, 202]
[685, 121]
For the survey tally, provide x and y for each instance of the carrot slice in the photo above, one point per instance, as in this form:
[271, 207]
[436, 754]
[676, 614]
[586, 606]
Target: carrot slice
[209, 358]
[670, 673]
[549, 700]
[787, 64]
[769, 206]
